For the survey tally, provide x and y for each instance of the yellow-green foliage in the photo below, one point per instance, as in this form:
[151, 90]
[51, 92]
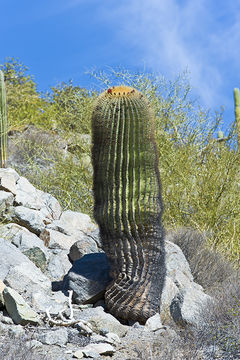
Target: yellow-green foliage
[200, 175]
[69, 181]
[71, 108]
[25, 104]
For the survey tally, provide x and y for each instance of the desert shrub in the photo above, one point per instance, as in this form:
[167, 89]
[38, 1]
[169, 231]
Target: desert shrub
[71, 182]
[43, 159]
[209, 268]
[220, 328]
[25, 103]
[70, 108]
[34, 145]
[218, 334]
[168, 348]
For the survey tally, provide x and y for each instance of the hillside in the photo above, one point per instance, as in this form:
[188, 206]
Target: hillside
[50, 143]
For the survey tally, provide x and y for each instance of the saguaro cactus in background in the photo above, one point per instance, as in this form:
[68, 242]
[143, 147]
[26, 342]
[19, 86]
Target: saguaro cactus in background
[3, 122]
[128, 205]
[237, 114]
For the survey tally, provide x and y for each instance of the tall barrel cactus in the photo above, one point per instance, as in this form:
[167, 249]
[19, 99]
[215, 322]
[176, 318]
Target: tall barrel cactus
[128, 205]
[237, 114]
[3, 122]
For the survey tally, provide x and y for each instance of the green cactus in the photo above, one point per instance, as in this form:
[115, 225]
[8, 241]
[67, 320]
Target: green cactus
[3, 122]
[128, 205]
[237, 114]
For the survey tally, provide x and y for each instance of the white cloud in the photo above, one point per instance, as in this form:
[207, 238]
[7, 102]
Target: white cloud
[173, 35]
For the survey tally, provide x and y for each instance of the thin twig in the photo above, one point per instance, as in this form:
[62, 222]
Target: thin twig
[70, 303]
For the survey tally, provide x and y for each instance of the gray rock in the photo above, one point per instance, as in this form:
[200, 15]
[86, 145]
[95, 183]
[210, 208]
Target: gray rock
[58, 266]
[27, 279]
[52, 209]
[153, 323]
[170, 289]
[11, 256]
[18, 309]
[19, 273]
[176, 261]
[95, 235]
[3, 328]
[2, 287]
[22, 238]
[37, 256]
[179, 286]
[6, 201]
[182, 280]
[88, 278]
[33, 220]
[54, 337]
[33, 344]
[17, 331]
[27, 195]
[187, 305]
[8, 182]
[101, 349]
[9, 171]
[96, 338]
[6, 320]
[78, 354]
[100, 320]
[55, 302]
[30, 197]
[82, 247]
[113, 338]
[55, 239]
[73, 223]
[100, 302]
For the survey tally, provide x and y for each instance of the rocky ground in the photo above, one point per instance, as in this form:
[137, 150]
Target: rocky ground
[53, 273]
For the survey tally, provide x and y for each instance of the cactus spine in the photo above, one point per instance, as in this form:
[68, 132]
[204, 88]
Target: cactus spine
[128, 204]
[237, 114]
[3, 122]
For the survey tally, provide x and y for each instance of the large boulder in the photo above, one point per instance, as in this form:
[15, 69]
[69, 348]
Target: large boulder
[179, 289]
[82, 247]
[24, 204]
[32, 219]
[21, 274]
[102, 322]
[8, 181]
[22, 238]
[67, 230]
[18, 309]
[187, 306]
[58, 265]
[88, 278]
[73, 223]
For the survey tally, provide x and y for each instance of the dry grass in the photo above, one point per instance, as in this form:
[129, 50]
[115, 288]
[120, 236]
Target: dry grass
[208, 267]
[218, 336]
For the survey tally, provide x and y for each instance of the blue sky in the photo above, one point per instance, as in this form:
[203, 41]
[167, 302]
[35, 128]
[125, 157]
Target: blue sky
[61, 40]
